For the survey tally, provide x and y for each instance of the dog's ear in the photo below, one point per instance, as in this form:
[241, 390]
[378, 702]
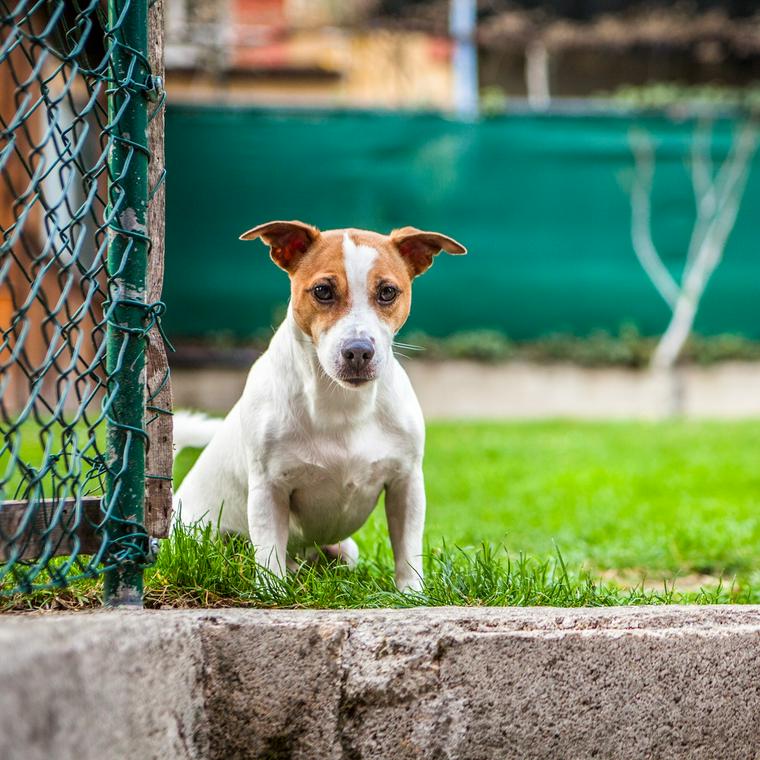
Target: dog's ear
[287, 241]
[418, 248]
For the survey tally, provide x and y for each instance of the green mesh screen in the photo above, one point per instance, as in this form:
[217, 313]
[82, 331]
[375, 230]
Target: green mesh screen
[540, 200]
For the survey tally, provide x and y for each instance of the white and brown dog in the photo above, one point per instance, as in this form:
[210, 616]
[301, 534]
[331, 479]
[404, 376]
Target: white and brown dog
[328, 418]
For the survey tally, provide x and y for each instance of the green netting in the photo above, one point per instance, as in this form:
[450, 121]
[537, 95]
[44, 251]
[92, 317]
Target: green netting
[541, 200]
[76, 96]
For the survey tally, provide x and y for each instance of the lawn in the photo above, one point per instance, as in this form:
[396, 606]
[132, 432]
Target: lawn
[564, 513]
[664, 498]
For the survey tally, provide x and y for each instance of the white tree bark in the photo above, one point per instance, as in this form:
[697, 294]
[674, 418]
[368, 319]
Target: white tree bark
[641, 219]
[718, 199]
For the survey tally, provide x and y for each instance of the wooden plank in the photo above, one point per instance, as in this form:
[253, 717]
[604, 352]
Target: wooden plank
[33, 535]
[158, 420]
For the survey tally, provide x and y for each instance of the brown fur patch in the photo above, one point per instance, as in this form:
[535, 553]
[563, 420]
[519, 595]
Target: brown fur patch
[324, 262]
[287, 241]
[312, 258]
[418, 248]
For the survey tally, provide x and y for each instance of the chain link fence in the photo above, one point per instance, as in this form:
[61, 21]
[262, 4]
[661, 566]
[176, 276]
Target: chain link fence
[78, 308]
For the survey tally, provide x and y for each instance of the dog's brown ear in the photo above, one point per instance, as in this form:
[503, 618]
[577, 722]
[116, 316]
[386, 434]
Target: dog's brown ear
[287, 241]
[418, 248]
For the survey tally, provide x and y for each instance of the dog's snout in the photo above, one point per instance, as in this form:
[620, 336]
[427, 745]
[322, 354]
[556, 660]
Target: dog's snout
[358, 354]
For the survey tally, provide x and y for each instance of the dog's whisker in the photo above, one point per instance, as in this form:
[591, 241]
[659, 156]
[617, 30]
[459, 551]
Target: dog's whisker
[408, 346]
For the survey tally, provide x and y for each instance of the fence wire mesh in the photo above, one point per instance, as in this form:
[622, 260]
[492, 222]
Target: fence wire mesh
[76, 94]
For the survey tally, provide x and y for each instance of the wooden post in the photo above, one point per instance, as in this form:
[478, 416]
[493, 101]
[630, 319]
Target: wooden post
[7, 199]
[158, 420]
[15, 286]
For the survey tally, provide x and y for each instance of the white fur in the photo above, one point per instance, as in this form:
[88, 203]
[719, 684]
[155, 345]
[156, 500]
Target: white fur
[193, 429]
[301, 460]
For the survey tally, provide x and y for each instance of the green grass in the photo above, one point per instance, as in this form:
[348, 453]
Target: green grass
[558, 513]
[34, 446]
[666, 497]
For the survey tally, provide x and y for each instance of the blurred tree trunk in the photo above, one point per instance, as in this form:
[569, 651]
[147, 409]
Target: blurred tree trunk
[717, 198]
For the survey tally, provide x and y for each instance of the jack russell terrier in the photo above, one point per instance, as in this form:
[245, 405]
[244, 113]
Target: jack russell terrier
[328, 418]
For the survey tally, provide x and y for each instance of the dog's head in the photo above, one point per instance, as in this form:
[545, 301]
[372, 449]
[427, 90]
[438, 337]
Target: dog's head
[351, 289]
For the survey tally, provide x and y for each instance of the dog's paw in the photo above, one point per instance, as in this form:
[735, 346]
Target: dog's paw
[409, 583]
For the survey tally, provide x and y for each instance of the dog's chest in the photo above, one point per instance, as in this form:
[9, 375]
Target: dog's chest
[335, 479]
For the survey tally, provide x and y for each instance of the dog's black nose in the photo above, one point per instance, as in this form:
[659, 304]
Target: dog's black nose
[358, 354]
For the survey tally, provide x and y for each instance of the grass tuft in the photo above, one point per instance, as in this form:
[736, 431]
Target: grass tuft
[197, 568]
[645, 513]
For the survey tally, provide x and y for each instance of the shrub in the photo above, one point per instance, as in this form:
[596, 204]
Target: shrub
[598, 349]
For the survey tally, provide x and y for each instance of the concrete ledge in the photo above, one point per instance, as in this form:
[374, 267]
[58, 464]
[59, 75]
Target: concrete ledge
[618, 683]
[455, 389]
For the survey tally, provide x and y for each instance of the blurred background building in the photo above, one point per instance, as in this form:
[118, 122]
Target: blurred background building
[324, 53]
[398, 53]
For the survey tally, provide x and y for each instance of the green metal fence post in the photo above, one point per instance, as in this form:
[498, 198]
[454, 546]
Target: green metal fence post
[127, 266]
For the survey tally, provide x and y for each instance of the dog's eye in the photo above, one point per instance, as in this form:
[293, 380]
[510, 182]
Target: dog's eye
[387, 293]
[323, 293]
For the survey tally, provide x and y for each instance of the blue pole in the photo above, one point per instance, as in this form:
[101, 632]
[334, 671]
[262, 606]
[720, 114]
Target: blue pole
[462, 27]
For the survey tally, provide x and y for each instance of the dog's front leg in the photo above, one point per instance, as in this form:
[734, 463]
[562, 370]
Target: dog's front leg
[268, 513]
[405, 512]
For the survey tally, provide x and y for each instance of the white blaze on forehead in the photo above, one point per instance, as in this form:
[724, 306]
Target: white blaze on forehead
[358, 261]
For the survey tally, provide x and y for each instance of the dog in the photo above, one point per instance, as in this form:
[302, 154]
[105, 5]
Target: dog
[328, 419]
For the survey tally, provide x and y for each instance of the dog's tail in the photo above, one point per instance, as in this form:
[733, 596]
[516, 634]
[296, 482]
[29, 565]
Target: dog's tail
[193, 430]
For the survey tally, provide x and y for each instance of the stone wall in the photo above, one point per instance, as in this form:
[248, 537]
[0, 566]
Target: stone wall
[659, 682]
